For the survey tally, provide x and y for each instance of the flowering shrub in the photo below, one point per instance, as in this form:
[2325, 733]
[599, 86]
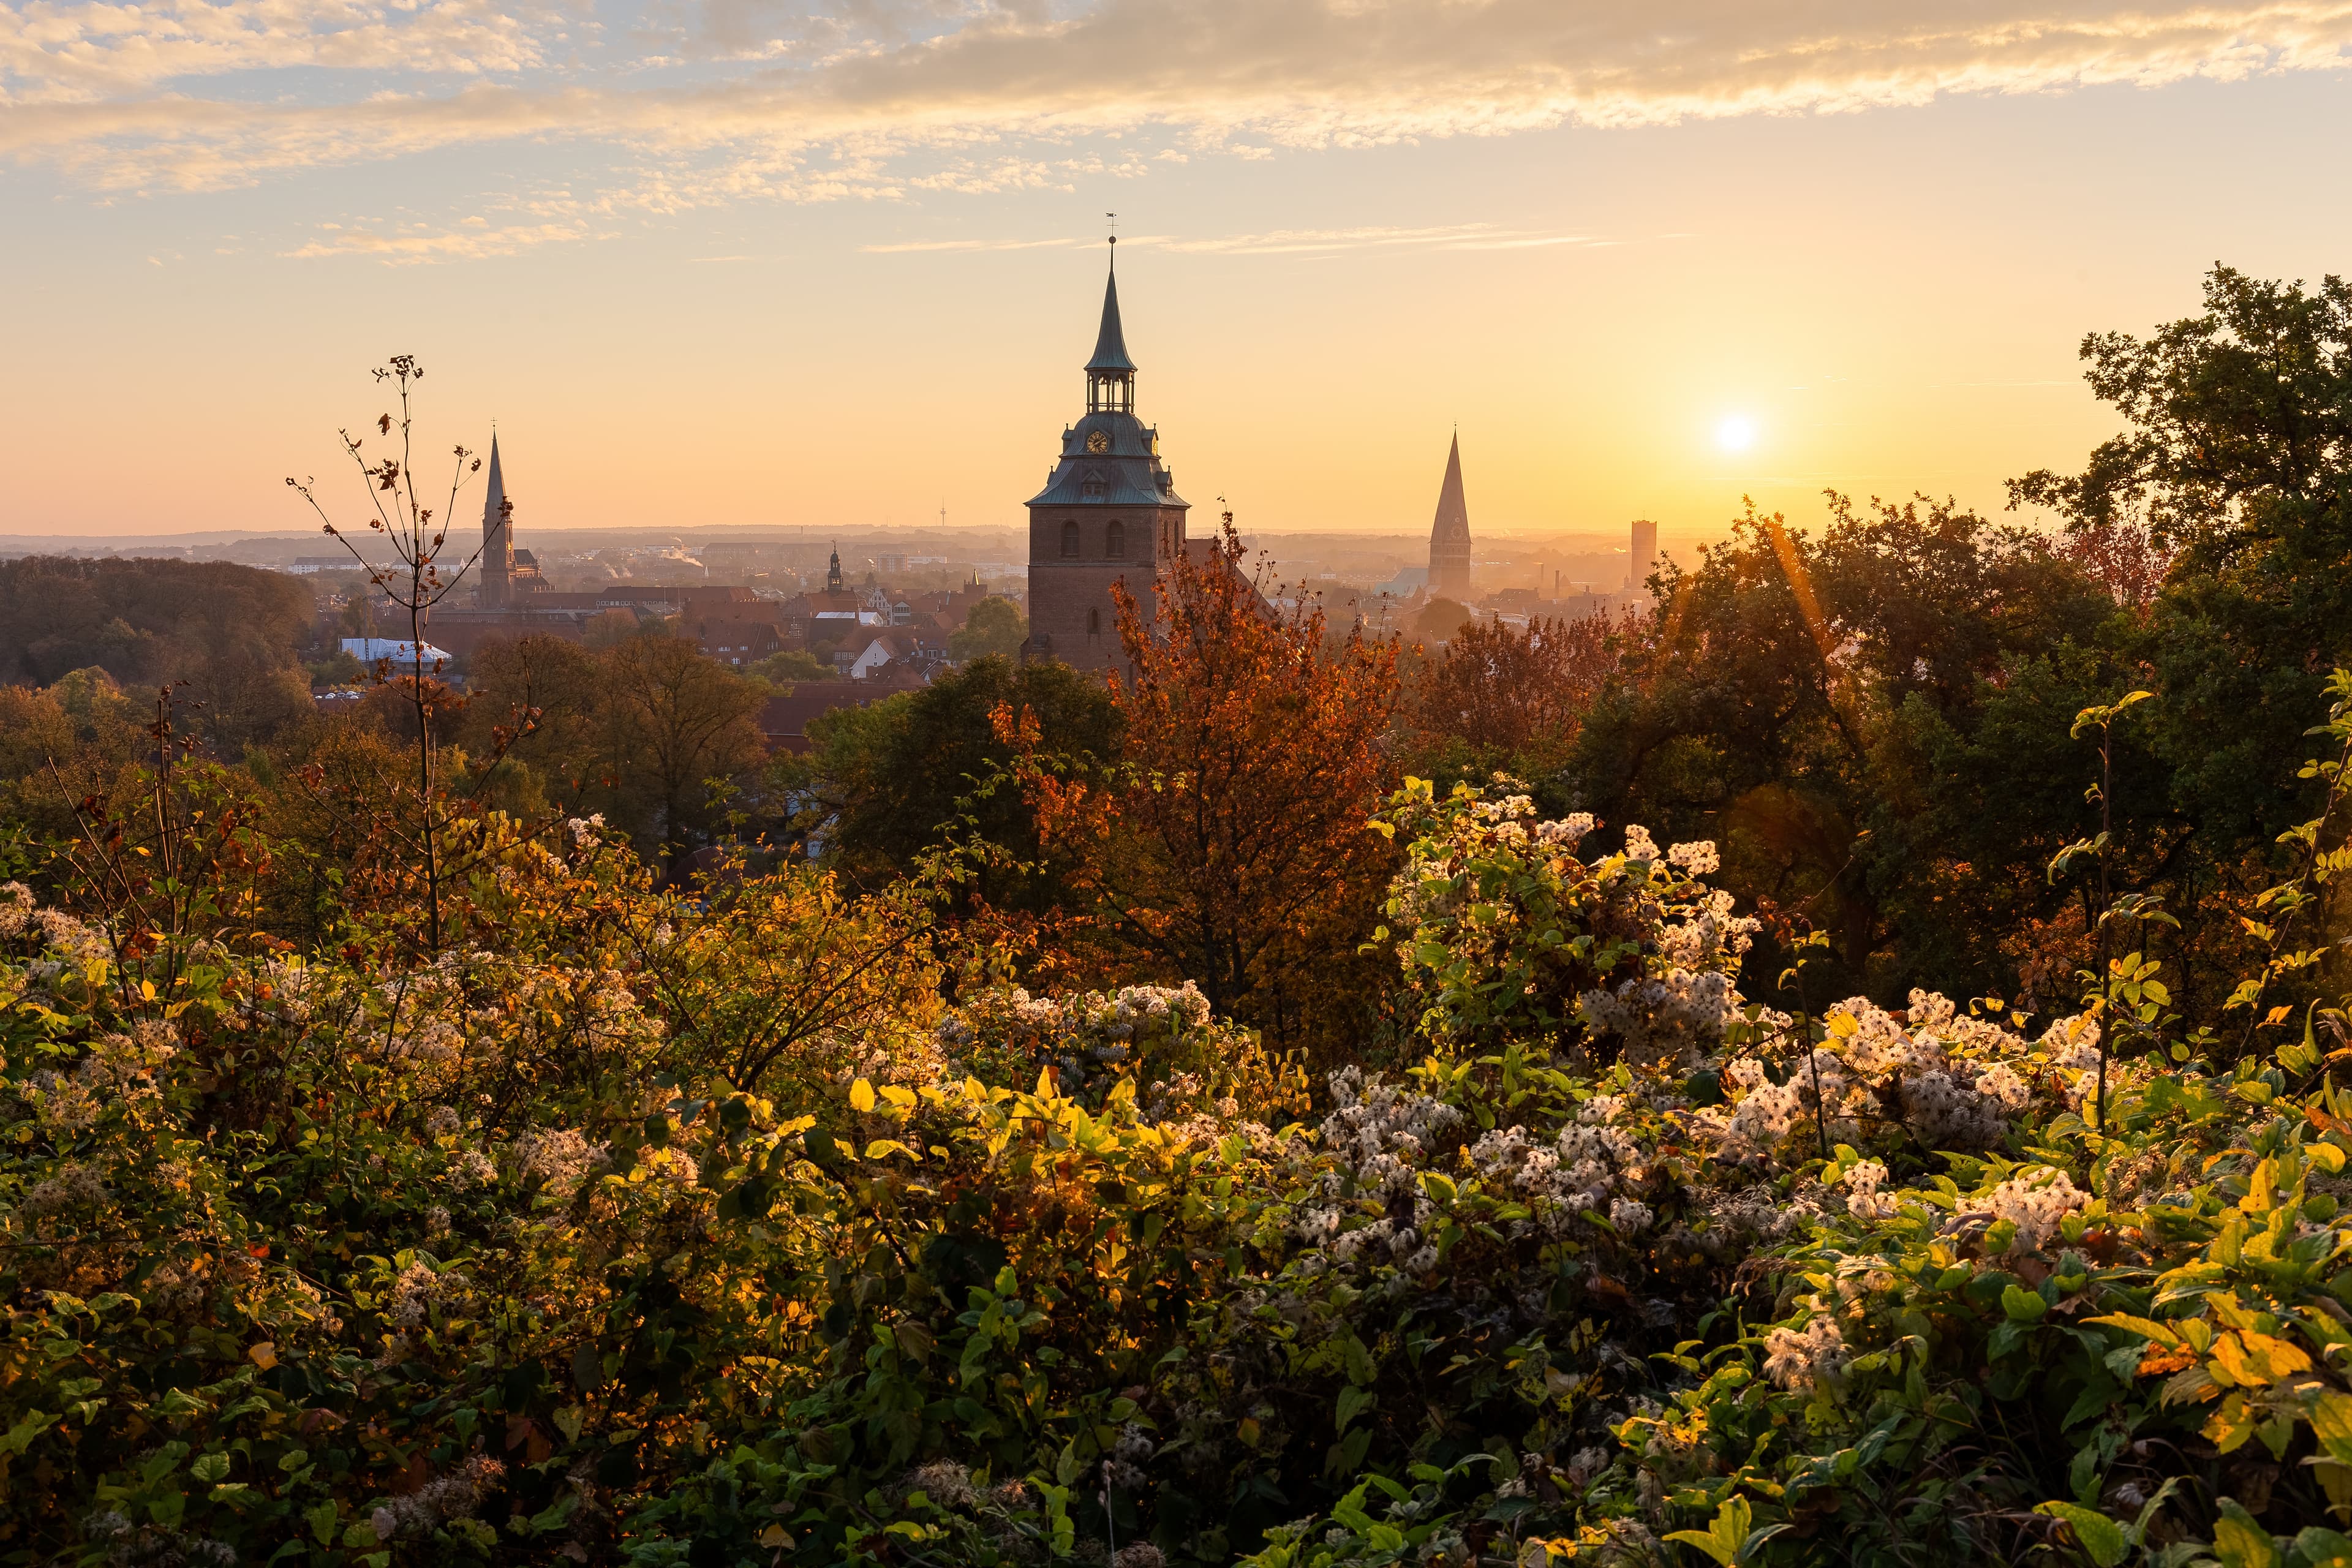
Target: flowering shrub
[768, 1226]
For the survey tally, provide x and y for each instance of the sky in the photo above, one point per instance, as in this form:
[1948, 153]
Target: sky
[837, 262]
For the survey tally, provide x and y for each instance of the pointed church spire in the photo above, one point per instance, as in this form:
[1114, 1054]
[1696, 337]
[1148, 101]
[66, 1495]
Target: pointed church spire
[494, 501]
[1449, 535]
[495, 583]
[1110, 344]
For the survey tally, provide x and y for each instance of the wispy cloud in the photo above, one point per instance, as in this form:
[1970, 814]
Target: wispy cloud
[699, 102]
[414, 244]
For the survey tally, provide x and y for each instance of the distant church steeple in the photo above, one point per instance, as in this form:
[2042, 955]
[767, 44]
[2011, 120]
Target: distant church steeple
[1110, 513]
[497, 563]
[1110, 374]
[833, 572]
[1449, 536]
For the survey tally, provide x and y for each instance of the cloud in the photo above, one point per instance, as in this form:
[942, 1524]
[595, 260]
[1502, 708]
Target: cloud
[69, 52]
[414, 244]
[721, 100]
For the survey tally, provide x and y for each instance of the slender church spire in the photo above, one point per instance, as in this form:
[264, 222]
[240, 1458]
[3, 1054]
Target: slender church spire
[1449, 535]
[1110, 374]
[1110, 344]
[496, 581]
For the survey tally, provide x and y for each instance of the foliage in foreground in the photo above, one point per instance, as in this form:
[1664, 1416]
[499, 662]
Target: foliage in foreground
[769, 1226]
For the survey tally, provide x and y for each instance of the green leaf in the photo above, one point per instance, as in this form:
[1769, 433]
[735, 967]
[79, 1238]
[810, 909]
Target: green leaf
[1352, 1399]
[20, 1437]
[321, 1516]
[2097, 1534]
[2241, 1542]
[2023, 1306]
[2324, 1548]
[1725, 1539]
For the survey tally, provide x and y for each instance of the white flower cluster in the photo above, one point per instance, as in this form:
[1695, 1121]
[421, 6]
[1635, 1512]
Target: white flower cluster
[452, 1496]
[945, 1482]
[559, 1159]
[1568, 831]
[73, 1187]
[124, 1067]
[2035, 1200]
[1863, 1198]
[413, 1293]
[1948, 1079]
[1679, 1014]
[59, 931]
[1380, 1137]
[1806, 1358]
[1676, 1017]
[1694, 859]
[1561, 1179]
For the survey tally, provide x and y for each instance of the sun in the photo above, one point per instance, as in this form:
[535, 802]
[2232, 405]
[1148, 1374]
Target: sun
[1735, 432]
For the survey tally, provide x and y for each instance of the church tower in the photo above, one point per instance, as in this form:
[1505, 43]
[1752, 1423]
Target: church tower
[1449, 536]
[1110, 512]
[495, 587]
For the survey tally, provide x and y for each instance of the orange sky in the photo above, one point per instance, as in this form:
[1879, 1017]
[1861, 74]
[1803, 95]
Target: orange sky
[721, 265]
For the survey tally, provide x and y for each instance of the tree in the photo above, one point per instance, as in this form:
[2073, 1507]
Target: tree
[994, 626]
[1441, 619]
[893, 778]
[233, 634]
[1510, 698]
[1814, 705]
[676, 722]
[2236, 461]
[791, 667]
[1231, 845]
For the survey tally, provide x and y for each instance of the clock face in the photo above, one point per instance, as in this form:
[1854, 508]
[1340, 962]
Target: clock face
[1099, 441]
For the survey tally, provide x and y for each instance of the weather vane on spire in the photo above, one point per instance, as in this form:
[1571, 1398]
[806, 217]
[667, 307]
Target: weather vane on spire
[1112, 219]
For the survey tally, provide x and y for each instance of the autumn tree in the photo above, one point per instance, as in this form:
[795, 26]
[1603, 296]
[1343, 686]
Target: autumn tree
[1231, 845]
[1512, 699]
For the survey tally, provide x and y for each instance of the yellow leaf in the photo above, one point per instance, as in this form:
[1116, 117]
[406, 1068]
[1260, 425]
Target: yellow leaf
[2252, 1360]
[861, 1096]
[265, 1356]
[2231, 1425]
[775, 1535]
[2331, 1419]
[2147, 1328]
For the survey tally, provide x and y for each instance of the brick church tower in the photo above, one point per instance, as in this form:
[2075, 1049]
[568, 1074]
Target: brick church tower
[1109, 510]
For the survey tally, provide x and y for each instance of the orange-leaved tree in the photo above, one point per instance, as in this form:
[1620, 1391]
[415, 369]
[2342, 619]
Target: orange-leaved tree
[1511, 697]
[1231, 843]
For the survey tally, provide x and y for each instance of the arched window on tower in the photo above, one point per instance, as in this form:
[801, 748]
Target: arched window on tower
[1115, 541]
[1094, 623]
[1070, 540]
